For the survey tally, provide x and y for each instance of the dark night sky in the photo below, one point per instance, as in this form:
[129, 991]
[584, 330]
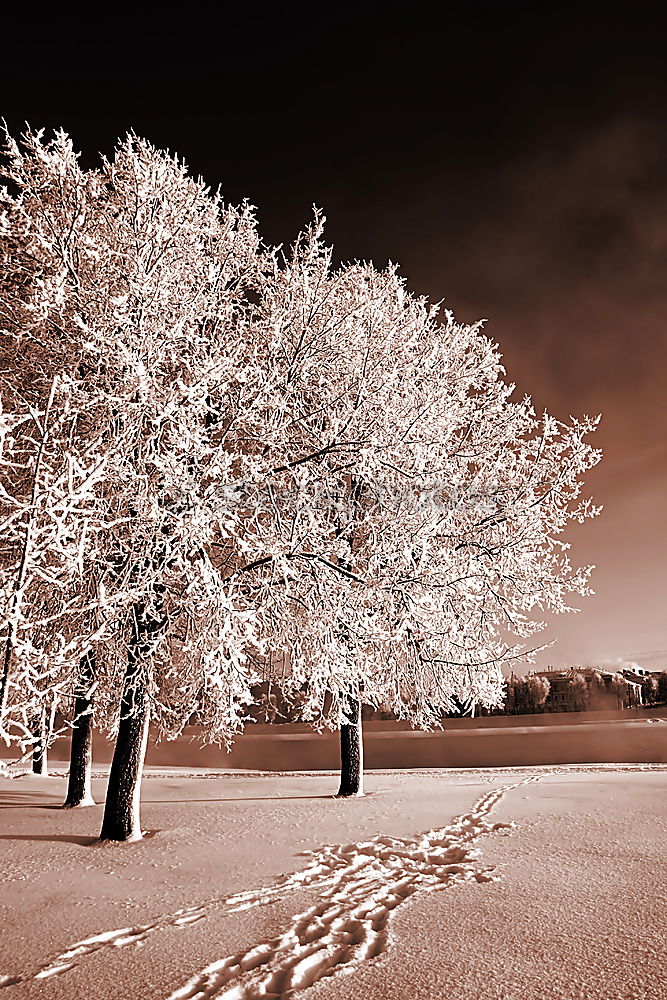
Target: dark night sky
[512, 157]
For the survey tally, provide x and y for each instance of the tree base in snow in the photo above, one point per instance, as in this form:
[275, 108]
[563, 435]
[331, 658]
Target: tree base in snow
[81, 753]
[351, 754]
[131, 838]
[121, 809]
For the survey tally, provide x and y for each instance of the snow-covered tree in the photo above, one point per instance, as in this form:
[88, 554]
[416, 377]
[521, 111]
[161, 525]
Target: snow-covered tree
[526, 694]
[661, 692]
[650, 689]
[295, 464]
[418, 506]
[153, 273]
[48, 485]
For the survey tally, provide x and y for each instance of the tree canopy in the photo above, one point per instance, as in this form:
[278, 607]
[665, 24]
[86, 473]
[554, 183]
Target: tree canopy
[218, 456]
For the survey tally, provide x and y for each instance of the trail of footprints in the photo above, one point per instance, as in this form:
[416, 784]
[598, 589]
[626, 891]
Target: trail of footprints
[359, 887]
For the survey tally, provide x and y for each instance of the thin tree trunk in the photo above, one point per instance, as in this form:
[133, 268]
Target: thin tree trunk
[43, 732]
[81, 754]
[25, 551]
[122, 807]
[6, 663]
[352, 752]
[39, 747]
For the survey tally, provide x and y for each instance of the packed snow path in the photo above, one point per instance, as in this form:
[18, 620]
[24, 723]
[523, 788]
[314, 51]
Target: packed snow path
[363, 883]
[360, 883]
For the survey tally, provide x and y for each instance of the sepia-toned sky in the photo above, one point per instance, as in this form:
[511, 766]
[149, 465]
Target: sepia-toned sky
[512, 159]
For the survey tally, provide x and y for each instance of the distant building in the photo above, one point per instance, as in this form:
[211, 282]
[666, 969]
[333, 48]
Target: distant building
[577, 689]
[634, 677]
[561, 695]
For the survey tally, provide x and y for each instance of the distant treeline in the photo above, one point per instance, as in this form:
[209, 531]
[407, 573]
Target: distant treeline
[581, 691]
[576, 690]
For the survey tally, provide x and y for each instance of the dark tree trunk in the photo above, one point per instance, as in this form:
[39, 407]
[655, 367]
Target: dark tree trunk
[39, 747]
[81, 755]
[6, 663]
[121, 810]
[122, 807]
[351, 752]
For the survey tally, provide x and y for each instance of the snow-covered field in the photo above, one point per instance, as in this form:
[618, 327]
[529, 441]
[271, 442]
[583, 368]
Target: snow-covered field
[484, 884]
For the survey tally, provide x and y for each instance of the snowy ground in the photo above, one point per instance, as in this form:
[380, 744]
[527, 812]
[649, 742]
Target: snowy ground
[532, 883]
